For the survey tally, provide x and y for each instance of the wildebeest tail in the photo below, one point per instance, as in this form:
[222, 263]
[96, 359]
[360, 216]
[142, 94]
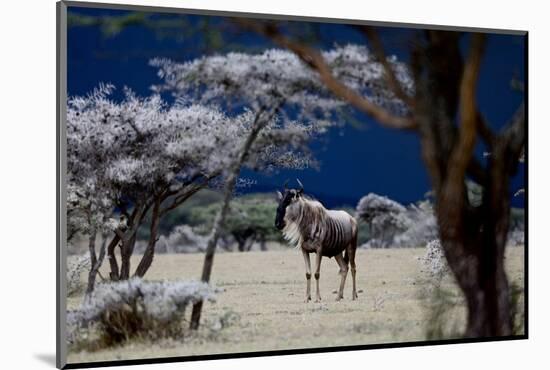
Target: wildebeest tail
[353, 244]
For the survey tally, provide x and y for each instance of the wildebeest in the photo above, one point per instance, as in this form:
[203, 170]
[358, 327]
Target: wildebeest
[308, 225]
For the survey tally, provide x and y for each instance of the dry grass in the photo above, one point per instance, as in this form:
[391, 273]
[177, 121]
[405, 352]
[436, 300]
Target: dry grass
[266, 291]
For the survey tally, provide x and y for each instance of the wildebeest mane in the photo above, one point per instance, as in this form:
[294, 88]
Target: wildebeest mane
[313, 219]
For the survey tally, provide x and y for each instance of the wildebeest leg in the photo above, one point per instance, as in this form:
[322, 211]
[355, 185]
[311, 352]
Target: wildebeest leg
[343, 273]
[351, 254]
[308, 275]
[318, 257]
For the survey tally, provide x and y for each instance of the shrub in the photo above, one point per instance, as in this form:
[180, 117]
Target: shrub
[441, 320]
[75, 267]
[440, 303]
[394, 225]
[135, 309]
[434, 262]
[385, 217]
[184, 240]
[421, 226]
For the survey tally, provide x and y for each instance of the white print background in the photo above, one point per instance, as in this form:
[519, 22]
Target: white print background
[28, 205]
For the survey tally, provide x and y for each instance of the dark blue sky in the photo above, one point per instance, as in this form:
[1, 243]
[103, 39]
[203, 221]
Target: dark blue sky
[353, 161]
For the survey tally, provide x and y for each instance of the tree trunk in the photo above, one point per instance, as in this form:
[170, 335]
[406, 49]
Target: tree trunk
[484, 284]
[233, 175]
[495, 226]
[263, 245]
[93, 258]
[250, 242]
[126, 239]
[95, 265]
[211, 246]
[149, 253]
[126, 251]
[115, 273]
[473, 238]
[239, 238]
[474, 241]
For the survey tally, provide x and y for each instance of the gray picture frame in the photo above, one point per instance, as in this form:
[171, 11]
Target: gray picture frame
[61, 189]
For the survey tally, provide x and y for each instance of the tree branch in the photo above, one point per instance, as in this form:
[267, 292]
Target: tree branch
[485, 130]
[181, 198]
[316, 61]
[380, 54]
[134, 127]
[463, 149]
[513, 136]
[184, 194]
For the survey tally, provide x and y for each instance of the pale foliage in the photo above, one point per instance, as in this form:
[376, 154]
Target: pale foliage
[421, 226]
[384, 216]
[122, 152]
[135, 307]
[138, 142]
[127, 151]
[76, 266]
[434, 262]
[262, 80]
[183, 240]
[373, 205]
[394, 225]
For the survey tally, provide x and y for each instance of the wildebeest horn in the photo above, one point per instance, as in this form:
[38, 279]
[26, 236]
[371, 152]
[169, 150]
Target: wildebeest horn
[285, 185]
[301, 186]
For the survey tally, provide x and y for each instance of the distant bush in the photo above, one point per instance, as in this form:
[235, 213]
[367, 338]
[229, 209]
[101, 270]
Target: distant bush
[393, 225]
[421, 226]
[385, 217]
[135, 308]
[182, 240]
[251, 219]
[516, 234]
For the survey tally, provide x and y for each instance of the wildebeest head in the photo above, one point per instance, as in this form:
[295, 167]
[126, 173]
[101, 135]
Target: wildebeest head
[286, 198]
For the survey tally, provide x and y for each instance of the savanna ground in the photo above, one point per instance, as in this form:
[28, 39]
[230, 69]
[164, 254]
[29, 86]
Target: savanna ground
[262, 304]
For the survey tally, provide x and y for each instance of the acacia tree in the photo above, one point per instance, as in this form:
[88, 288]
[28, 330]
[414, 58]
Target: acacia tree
[140, 157]
[279, 77]
[273, 85]
[473, 236]
[89, 213]
[127, 156]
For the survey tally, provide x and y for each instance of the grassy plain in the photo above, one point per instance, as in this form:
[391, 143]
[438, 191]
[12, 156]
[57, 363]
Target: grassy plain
[262, 306]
